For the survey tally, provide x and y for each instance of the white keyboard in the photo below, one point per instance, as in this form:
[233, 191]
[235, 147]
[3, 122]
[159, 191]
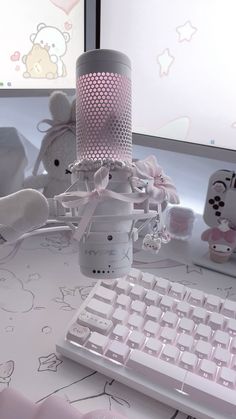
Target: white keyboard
[170, 342]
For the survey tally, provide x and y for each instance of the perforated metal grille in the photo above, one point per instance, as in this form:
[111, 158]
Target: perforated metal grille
[103, 117]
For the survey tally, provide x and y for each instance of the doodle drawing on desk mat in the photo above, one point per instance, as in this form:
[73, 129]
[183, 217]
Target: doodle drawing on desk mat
[57, 243]
[6, 371]
[49, 363]
[71, 297]
[14, 297]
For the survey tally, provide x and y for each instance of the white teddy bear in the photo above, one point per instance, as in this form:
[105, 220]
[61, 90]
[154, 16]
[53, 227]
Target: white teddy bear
[55, 42]
[58, 148]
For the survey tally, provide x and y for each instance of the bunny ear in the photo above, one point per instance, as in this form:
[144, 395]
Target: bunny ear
[60, 107]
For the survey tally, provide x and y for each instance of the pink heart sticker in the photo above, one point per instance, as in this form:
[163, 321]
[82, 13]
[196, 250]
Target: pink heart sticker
[65, 5]
[15, 56]
[67, 26]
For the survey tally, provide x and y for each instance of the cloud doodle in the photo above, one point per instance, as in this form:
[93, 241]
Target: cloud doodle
[14, 297]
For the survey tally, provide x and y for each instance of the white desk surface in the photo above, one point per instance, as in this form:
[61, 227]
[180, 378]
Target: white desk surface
[40, 287]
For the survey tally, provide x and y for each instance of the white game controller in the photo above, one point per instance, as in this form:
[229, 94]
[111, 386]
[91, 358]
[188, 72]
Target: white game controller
[221, 198]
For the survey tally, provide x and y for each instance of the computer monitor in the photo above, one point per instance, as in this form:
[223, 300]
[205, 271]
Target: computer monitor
[40, 42]
[183, 71]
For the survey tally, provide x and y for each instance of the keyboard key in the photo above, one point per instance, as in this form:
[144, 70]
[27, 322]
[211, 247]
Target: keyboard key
[118, 351]
[109, 283]
[221, 357]
[212, 303]
[185, 342]
[177, 291]
[227, 377]
[168, 335]
[231, 327]
[216, 321]
[135, 321]
[138, 307]
[77, 333]
[148, 281]
[97, 342]
[153, 313]
[186, 325]
[135, 340]
[233, 365]
[151, 328]
[123, 301]
[196, 297]
[99, 308]
[105, 295]
[170, 353]
[221, 339]
[162, 286]
[123, 287]
[207, 369]
[203, 332]
[153, 346]
[183, 309]
[167, 303]
[135, 275]
[199, 315]
[95, 323]
[120, 332]
[229, 308]
[169, 319]
[120, 316]
[152, 298]
[188, 361]
[137, 292]
[233, 346]
[156, 371]
[203, 349]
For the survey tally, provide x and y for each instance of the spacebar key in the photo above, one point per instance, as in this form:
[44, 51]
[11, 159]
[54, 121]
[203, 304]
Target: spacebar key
[156, 370]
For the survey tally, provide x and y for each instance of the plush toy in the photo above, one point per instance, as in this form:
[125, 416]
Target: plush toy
[221, 240]
[58, 148]
[38, 64]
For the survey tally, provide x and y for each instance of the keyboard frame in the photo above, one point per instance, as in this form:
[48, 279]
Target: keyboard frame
[136, 380]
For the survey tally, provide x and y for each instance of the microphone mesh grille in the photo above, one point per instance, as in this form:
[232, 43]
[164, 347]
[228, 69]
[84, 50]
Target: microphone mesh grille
[103, 117]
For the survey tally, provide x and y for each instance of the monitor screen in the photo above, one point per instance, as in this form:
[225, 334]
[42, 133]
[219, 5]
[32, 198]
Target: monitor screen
[183, 70]
[40, 42]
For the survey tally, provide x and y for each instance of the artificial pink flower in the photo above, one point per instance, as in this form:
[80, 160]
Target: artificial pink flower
[163, 188]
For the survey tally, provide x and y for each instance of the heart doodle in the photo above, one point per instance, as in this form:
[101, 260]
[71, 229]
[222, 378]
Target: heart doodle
[67, 26]
[65, 5]
[15, 56]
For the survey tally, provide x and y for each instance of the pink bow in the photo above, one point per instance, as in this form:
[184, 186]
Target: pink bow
[229, 235]
[77, 199]
[215, 234]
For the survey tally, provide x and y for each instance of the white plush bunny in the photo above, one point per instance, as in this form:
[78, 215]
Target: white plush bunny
[58, 148]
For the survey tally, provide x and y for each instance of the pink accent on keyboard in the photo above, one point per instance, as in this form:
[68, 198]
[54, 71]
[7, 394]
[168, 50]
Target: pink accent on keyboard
[14, 406]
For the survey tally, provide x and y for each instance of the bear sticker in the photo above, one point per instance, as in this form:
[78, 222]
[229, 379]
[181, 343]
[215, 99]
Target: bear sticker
[44, 60]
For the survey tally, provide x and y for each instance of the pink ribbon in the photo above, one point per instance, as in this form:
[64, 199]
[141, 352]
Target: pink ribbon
[77, 199]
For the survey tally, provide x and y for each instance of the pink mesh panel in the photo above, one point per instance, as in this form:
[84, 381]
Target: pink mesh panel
[103, 117]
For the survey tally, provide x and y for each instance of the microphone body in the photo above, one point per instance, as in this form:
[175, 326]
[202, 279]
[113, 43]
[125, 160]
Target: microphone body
[21, 212]
[104, 139]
